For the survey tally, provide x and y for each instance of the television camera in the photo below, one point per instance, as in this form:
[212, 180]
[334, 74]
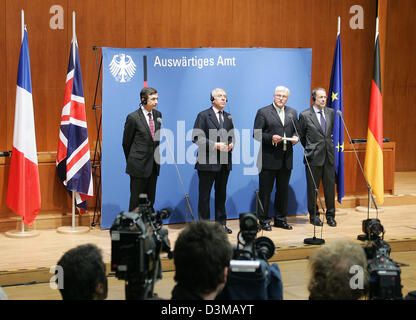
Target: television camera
[250, 276]
[385, 281]
[248, 246]
[137, 238]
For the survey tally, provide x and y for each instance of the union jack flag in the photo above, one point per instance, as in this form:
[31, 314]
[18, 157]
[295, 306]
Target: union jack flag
[73, 162]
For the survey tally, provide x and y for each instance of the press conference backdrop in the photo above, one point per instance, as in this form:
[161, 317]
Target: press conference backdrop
[184, 79]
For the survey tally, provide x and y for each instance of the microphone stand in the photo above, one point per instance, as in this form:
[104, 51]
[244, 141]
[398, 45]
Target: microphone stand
[258, 201]
[314, 240]
[179, 175]
[361, 237]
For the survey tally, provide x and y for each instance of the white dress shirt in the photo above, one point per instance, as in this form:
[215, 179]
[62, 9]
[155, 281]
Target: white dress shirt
[281, 113]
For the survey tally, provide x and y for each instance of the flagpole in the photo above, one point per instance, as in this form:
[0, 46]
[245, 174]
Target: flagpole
[23, 35]
[73, 55]
[339, 26]
[73, 229]
[74, 35]
[22, 233]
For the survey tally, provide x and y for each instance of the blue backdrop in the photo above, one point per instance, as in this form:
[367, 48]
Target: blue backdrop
[184, 79]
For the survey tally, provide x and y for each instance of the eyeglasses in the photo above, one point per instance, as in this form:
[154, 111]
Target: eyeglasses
[280, 96]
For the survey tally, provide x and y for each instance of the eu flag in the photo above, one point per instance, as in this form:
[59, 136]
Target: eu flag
[335, 101]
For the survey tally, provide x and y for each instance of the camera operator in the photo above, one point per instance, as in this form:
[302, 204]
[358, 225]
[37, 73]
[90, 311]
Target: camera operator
[84, 274]
[331, 275]
[202, 254]
[250, 276]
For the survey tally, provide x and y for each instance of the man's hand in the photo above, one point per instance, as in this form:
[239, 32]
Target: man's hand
[297, 140]
[276, 139]
[221, 146]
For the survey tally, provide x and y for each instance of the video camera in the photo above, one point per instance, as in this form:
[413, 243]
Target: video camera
[248, 246]
[385, 282]
[137, 238]
[250, 276]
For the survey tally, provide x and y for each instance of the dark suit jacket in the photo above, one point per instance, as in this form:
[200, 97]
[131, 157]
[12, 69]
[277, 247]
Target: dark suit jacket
[268, 121]
[205, 134]
[138, 145]
[317, 144]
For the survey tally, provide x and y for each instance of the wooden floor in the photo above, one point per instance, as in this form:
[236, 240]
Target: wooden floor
[295, 277]
[27, 260]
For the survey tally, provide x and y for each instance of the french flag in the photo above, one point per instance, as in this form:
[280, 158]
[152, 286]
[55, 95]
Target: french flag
[23, 191]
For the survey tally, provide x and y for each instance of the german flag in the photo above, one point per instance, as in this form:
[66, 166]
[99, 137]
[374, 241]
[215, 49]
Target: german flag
[373, 165]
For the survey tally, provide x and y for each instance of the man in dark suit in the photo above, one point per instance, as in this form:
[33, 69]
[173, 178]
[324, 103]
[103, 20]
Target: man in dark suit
[316, 125]
[213, 133]
[272, 127]
[140, 141]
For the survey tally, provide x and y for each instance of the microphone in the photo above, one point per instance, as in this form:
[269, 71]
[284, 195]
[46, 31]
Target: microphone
[314, 240]
[230, 117]
[159, 120]
[370, 194]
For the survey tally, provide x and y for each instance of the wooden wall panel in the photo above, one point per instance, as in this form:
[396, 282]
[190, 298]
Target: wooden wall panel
[3, 80]
[99, 23]
[399, 96]
[153, 23]
[354, 180]
[54, 197]
[47, 50]
[204, 23]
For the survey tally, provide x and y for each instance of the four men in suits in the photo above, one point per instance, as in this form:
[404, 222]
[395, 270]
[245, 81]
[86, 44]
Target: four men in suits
[272, 125]
[275, 127]
[213, 133]
[316, 125]
[140, 141]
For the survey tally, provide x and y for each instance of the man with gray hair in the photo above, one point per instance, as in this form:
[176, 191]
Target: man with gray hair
[274, 129]
[338, 272]
[213, 133]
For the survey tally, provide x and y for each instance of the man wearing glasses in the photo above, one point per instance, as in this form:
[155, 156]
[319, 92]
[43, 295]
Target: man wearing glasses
[274, 129]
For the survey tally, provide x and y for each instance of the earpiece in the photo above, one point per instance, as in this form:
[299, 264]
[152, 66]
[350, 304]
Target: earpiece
[212, 98]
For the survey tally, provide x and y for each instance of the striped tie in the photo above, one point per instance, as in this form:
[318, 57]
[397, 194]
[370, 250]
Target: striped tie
[151, 125]
[323, 122]
[220, 119]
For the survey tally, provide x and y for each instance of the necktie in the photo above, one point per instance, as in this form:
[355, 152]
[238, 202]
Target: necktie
[323, 122]
[220, 119]
[282, 118]
[151, 125]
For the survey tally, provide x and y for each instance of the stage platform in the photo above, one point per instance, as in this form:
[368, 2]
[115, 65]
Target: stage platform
[30, 260]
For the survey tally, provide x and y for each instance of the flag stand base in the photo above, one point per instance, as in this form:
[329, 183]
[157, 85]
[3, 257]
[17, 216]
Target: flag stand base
[366, 209]
[73, 230]
[17, 234]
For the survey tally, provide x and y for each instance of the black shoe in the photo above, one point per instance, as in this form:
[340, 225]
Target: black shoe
[228, 230]
[282, 224]
[316, 222]
[265, 226]
[331, 222]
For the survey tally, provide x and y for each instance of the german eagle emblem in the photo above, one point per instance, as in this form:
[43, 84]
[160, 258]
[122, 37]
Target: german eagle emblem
[122, 67]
